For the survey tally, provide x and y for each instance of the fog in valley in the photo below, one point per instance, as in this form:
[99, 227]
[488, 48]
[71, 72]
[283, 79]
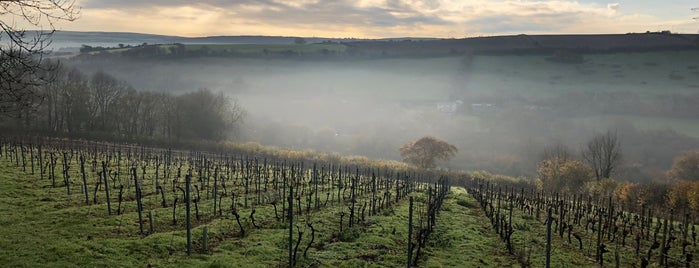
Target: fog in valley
[394, 133]
[500, 111]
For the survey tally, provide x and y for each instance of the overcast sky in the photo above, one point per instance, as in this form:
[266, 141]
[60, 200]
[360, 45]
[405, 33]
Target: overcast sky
[384, 18]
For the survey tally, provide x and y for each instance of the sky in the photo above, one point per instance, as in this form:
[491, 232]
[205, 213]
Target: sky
[384, 18]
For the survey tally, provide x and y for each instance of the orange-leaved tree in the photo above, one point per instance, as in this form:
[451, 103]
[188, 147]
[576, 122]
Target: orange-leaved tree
[424, 152]
[565, 175]
[685, 167]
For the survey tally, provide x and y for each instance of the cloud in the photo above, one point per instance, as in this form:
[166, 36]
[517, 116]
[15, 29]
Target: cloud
[552, 17]
[339, 18]
[511, 24]
[391, 12]
[613, 6]
[358, 18]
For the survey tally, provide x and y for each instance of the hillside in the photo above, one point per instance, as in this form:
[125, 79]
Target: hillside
[418, 46]
[75, 39]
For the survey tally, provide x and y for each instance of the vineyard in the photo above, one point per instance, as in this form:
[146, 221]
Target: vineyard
[76, 203]
[586, 228]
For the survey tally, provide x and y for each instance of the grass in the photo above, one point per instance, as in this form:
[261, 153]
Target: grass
[42, 226]
[644, 73]
[463, 234]
[45, 227]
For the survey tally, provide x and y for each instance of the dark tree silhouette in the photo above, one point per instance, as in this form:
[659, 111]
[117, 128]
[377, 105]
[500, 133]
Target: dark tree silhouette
[425, 151]
[21, 63]
[203, 114]
[603, 154]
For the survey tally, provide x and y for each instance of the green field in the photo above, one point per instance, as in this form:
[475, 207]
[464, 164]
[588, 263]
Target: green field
[43, 226]
[647, 73]
[238, 50]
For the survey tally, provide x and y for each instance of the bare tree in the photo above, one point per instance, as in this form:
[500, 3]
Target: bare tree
[52, 93]
[141, 113]
[424, 151]
[105, 90]
[556, 151]
[129, 108]
[77, 106]
[21, 53]
[603, 154]
[168, 115]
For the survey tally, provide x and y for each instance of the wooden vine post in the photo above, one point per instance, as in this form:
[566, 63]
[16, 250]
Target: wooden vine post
[410, 233]
[188, 179]
[106, 187]
[82, 171]
[548, 238]
[291, 221]
[139, 205]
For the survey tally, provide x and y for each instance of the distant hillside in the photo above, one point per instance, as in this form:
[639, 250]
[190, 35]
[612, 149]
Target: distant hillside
[408, 46]
[532, 44]
[73, 39]
[70, 39]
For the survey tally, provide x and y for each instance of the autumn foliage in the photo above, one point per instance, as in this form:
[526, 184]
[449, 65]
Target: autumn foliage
[560, 174]
[684, 173]
[424, 152]
[685, 167]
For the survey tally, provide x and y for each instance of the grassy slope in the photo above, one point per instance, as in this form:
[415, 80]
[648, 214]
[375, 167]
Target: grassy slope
[44, 227]
[644, 73]
[463, 237]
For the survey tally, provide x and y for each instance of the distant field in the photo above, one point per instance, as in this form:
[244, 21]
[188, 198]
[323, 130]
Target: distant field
[651, 73]
[113, 50]
[260, 50]
[253, 49]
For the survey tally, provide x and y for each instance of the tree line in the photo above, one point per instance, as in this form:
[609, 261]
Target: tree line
[98, 105]
[677, 188]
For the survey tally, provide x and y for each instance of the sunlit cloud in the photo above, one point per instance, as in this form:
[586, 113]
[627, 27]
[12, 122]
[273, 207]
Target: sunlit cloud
[364, 18]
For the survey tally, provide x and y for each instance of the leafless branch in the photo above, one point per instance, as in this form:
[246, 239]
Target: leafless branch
[21, 54]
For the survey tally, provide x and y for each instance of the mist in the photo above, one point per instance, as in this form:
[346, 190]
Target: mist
[500, 111]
